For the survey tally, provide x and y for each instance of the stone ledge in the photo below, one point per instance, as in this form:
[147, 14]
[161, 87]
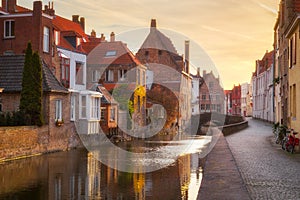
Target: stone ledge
[233, 128]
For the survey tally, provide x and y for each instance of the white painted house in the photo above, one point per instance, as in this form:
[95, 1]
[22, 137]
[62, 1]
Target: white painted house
[84, 104]
[262, 82]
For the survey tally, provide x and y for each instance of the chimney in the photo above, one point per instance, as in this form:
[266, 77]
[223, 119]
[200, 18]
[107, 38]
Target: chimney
[48, 9]
[112, 37]
[9, 5]
[82, 23]
[75, 18]
[187, 56]
[102, 37]
[198, 72]
[93, 33]
[153, 23]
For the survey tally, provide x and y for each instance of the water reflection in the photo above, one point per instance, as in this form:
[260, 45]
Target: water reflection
[78, 175]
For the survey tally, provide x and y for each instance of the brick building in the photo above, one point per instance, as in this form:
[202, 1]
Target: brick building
[211, 94]
[113, 65]
[58, 42]
[170, 76]
[236, 100]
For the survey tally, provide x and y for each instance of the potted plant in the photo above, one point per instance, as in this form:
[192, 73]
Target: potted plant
[59, 122]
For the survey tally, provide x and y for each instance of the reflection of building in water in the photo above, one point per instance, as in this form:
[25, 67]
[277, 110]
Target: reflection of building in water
[184, 168]
[78, 175]
[93, 176]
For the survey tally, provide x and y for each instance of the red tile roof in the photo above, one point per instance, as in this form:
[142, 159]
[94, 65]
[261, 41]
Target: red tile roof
[123, 54]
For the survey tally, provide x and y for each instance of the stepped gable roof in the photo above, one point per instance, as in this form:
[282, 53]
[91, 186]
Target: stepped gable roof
[11, 73]
[266, 62]
[157, 40]
[108, 53]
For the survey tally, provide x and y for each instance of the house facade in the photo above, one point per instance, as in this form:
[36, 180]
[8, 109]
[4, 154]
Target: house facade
[244, 93]
[287, 9]
[196, 93]
[170, 76]
[294, 73]
[262, 81]
[114, 66]
[236, 100]
[211, 94]
[58, 42]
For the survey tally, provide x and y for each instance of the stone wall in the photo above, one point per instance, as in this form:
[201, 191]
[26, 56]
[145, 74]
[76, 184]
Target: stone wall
[16, 142]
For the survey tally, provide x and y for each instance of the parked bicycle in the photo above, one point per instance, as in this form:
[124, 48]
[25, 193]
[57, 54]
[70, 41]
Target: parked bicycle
[290, 141]
[280, 133]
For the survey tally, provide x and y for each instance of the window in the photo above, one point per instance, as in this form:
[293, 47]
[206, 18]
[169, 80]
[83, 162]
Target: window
[109, 75]
[122, 74]
[79, 73]
[95, 76]
[202, 107]
[112, 114]
[73, 98]
[46, 40]
[9, 29]
[65, 72]
[58, 110]
[110, 53]
[208, 107]
[0, 107]
[293, 50]
[293, 100]
[211, 85]
[203, 96]
[83, 107]
[159, 52]
[56, 37]
[146, 53]
[95, 108]
[103, 113]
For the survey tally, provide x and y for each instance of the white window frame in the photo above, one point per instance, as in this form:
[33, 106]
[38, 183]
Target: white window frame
[112, 116]
[10, 35]
[46, 39]
[109, 75]
[95, 76]
[73, 108]
[79, 79]
[95, 108]
[56, 37]
[58, 110]
[83, 107]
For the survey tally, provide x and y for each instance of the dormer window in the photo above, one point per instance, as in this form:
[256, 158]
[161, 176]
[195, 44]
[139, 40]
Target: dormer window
[110, 53]
[9, 29]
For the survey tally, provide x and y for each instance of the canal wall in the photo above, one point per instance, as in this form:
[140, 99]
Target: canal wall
[26, 141]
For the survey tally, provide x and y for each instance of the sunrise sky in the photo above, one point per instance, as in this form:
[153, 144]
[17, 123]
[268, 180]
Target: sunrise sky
[233, 33]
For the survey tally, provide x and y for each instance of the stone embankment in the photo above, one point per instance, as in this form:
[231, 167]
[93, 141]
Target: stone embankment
[25, 141]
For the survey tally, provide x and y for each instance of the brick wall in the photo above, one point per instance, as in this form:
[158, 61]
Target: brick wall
[30, 140]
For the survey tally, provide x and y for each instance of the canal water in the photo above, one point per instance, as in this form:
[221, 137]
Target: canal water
[77, 174]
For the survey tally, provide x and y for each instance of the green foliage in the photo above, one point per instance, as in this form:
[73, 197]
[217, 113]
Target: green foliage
[14, 119]
[31, 95]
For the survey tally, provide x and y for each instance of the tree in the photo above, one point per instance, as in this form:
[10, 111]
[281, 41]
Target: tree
[26, 81]
[31, 95]
[37, 112]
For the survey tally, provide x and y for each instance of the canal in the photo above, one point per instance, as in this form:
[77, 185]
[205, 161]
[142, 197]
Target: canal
[78, 174]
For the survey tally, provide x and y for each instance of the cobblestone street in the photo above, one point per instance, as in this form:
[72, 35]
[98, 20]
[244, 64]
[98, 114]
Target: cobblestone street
[267, 170]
